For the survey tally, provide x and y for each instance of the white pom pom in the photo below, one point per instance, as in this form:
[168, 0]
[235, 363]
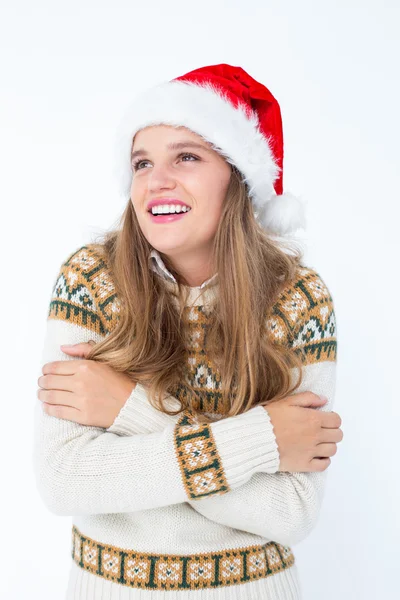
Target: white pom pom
[283, 214]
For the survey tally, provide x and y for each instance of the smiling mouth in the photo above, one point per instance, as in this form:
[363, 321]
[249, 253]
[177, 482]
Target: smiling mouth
[188, 209]
[167, 217]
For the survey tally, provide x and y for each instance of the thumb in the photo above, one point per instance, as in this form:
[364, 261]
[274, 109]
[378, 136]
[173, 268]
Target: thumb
[81, 349]
[308, 400]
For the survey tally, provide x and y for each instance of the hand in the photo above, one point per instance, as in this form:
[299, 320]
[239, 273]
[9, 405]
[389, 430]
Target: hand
[84, 391]
[305, 437]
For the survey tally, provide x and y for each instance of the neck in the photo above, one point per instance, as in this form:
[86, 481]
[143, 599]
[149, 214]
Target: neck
[193, 269]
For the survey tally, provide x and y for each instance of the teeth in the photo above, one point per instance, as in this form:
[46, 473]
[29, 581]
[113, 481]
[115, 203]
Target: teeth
[169, 209]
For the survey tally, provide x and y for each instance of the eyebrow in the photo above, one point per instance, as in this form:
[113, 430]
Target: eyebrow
[172, 146]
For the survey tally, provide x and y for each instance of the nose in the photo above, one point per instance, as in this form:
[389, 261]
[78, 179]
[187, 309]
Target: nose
[160, 178]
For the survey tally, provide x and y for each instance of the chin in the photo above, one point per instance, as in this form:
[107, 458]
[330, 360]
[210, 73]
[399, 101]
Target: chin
[170, 250]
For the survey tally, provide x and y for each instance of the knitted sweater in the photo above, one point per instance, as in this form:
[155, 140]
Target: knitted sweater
[164, 507]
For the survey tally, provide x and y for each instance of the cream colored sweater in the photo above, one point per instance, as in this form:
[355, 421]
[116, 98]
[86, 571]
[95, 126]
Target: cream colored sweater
[163, 507]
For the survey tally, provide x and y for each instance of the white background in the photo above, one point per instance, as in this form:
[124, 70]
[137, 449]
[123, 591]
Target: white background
[68, 70]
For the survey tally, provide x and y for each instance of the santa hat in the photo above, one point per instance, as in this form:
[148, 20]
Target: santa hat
[240, 118]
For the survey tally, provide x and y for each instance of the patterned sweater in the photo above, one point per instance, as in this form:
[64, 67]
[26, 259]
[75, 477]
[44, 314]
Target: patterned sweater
[163, 507]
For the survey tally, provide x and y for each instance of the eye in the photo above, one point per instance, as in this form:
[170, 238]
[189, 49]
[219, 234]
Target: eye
[185, 154]
[136, 165]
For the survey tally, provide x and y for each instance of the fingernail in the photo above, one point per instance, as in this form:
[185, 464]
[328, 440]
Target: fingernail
[66, 346]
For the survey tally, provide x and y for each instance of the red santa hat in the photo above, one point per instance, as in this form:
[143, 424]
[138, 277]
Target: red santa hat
[240, 118]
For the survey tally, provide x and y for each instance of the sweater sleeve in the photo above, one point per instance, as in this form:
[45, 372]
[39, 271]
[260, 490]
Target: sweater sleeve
[280, 506]
[87, 470]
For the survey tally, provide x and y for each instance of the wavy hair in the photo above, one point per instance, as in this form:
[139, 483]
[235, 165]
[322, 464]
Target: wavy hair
[149, 342]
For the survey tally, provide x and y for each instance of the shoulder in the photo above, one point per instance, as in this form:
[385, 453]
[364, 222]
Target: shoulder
[303, 316]
[83, 292]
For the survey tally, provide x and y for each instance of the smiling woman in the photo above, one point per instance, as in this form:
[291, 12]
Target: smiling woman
[190, 466]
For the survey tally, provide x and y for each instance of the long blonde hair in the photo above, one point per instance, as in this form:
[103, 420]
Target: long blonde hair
[149, 341]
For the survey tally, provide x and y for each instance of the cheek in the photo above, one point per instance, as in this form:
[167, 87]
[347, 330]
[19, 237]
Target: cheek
[137, 194]
[136, 203]
[211, 211]
[215, 195]
[207, 190]
[134, 189]
[139, 181]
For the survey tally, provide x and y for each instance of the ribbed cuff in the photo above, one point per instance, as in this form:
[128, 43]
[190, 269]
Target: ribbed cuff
[246, 444]
[138, 416]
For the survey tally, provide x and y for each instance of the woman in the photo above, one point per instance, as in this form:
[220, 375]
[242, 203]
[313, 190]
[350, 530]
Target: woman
[188, 427]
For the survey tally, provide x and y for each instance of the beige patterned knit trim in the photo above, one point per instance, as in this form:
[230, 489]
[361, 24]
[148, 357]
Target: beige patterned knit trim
[152, 571]
[84, 293]
[201, 467]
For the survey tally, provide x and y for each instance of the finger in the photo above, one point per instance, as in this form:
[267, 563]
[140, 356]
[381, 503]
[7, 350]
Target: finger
[320, 464]
[328, 435]
[61, 412]
[81, 349]
[57, 397]
[56, 382]
[330, 419]
[325, 450]
[62, 367]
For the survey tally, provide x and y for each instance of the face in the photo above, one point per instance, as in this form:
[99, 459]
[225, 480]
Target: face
[177, 164]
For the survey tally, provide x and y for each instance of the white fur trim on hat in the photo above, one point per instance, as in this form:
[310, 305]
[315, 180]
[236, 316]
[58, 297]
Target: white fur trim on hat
[283, 214]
